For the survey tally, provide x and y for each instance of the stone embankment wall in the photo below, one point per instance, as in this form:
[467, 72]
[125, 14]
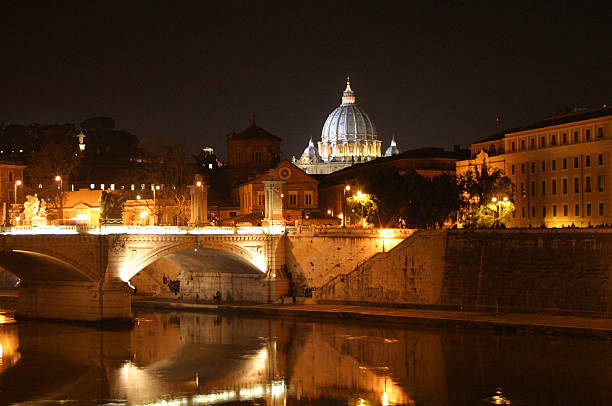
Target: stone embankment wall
[314, 256]
[565, 271]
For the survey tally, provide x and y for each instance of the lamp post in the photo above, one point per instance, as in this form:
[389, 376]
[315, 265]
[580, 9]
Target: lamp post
[60, 187]
[497, 203]
[346, 189]
[155, 188]
[198, 198]
[17, 183]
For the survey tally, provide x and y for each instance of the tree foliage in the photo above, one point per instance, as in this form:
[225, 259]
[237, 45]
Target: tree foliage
[57, 155]
[417, 200]
[487, 198]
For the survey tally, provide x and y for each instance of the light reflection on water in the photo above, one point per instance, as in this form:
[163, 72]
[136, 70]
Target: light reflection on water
[204, 359]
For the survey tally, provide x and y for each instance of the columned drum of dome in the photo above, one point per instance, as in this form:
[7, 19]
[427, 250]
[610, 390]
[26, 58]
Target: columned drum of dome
[349, 135]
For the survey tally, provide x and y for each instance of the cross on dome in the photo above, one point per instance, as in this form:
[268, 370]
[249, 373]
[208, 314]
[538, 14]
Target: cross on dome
[348, 96]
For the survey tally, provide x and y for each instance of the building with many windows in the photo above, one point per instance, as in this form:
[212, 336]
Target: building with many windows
[560, 168]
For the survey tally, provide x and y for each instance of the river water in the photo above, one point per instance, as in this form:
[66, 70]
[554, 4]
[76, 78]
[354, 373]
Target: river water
[181, 358]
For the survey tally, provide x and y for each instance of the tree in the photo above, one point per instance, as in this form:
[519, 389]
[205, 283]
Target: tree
[57, 155]
[487, 198]
[363, 205]
[165, 165]
[416, 199]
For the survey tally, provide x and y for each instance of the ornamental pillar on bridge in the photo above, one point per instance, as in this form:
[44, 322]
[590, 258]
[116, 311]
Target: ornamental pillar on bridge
[199, 202]
[273, 203]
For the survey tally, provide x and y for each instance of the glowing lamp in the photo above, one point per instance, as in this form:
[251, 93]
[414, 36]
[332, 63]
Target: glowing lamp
[143, 214]
[494, 200]
[347, 187]
[198, 183]
[18, 183]
[58, 178]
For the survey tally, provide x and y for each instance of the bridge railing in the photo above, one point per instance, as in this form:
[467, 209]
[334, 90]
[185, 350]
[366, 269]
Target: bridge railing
[100, 230]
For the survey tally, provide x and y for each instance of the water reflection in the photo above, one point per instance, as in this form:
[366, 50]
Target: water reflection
[193, 359]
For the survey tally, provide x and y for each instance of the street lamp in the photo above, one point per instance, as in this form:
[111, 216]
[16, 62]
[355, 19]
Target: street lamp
[198, 206]
[60, 187]
[155, 188]
[497, 203]
[17, 183]
[346, 189]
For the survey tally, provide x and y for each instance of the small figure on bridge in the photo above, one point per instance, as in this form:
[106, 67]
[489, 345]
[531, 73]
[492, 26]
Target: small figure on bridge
[217, 297]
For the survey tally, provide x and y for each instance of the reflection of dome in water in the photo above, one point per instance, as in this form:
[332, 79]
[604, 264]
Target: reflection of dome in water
[348, 122]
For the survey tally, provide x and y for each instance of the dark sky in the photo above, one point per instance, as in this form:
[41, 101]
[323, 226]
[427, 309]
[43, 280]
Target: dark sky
[432, 73]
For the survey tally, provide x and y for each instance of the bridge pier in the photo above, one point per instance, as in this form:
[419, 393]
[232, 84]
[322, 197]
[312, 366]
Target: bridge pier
[70, 300]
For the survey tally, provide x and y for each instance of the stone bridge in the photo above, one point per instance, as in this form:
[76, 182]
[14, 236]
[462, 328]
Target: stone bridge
[83, 273]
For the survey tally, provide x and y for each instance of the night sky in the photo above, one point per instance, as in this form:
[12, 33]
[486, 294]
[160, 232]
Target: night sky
[432, 74]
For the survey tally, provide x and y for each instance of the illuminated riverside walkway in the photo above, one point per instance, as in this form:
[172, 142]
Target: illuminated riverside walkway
[83, 272]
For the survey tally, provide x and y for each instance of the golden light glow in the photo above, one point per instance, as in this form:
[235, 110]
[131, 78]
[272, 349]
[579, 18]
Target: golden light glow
[494, 199]
[58, 178]
[18, 183]
[144, 214]
[198, 183]
[157, 187]
[347, 187]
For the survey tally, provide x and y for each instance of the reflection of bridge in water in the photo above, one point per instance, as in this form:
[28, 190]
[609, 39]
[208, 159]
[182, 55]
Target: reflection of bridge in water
[81, 273]
[186, 359]
[190, 358]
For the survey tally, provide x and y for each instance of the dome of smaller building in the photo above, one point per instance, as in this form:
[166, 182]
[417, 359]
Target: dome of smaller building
[311, 151]
[393, 149]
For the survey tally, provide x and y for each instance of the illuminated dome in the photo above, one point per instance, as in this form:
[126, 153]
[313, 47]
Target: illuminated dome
[310, 151]
[348, 122]
[393, 149]
[348, 133]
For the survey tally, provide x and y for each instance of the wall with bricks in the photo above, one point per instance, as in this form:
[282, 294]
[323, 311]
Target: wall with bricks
[563, 270]
[314, 256]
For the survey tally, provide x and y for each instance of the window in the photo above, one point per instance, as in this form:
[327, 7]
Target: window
[543, 211]
[513, 146]
[588, 209]
[587, 134]
[599, 159]
[523, 212]
[577, 210]
[543, 141]
[543, 188]
[554, 164]
[292, 198]
[261, 199]
[575, 136]
[576, 185]
[554, 187]
[522, 168]
[522, 145]
[565, 210]
[92, 186]
[600, 183]
[564, 163]
[532, 167]
[553, 139]
[232, 214]
[587, 184]
[532, 211]
[543, 166]
[532, 143]
[513, 169]
[523, 189]
[564, 186]
[599, 132]
[308, 198]
[601, 209]
[532, 188]
[554, 210]
[575, 162]
[132, 187]
[587, 161]
[564, 138]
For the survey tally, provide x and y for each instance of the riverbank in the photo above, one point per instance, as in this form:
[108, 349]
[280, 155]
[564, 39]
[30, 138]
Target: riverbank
[509, 322]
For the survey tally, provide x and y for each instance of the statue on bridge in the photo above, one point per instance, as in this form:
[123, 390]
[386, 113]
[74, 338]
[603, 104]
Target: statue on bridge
[111, 208]
[34, 211]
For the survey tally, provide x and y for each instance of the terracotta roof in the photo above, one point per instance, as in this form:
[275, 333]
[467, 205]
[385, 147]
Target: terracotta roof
[252, 132]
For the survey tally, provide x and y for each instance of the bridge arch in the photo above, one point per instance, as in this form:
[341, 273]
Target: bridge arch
[137, 264]
[42, 264]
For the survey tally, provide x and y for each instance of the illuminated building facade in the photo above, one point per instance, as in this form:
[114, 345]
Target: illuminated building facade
[560, 168]
[348, 137]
